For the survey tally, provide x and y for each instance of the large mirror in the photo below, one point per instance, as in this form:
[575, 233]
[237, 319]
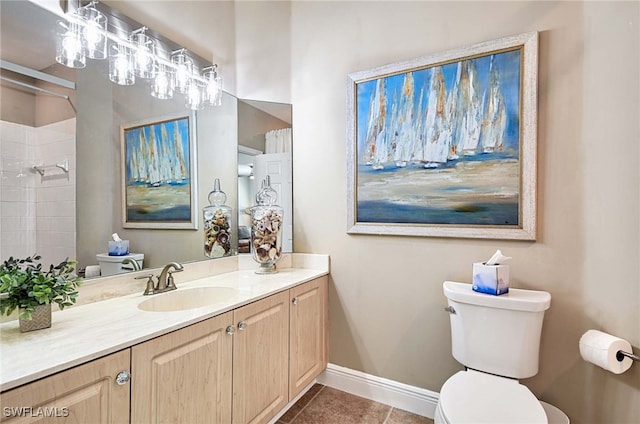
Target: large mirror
[72, 203]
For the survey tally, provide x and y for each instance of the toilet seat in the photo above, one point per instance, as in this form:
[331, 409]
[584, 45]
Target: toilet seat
[476, 397]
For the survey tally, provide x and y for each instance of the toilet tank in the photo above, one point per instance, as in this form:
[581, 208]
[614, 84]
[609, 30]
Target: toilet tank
[496, 334]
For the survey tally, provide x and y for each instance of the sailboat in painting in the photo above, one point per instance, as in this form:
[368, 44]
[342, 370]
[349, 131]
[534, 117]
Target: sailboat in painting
[495, 116]
[404, 134]
[180, 171]
[437, 129]
[468, 110]
[375, 149]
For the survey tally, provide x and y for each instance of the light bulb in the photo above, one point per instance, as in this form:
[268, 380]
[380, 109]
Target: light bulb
[120, 66]
[161, 87]
[69, 45]
[144, 53]
[183, 70]
[194, 96]
[94, 31]
[213, 87]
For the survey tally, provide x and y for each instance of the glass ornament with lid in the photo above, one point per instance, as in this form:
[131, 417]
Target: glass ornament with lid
[217, 224]
[266, 229]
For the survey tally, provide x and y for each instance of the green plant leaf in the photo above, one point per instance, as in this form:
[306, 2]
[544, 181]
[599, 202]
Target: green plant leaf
[27, 285]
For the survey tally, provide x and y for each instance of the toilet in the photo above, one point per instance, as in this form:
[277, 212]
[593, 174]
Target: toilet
[112, 265]
[497, 339]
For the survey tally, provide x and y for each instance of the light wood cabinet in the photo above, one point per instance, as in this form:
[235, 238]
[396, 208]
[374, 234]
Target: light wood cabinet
[241, 367]
[184, 376]
[308, 333]
[87, 393]
[261, 359]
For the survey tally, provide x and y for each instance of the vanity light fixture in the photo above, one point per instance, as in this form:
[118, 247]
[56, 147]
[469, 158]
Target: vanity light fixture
[121, 69]
[69, 45]
[94, 31]
[213, 87]
[193, 96]
[162, 84]
[183, 66]
[145, 53]
[85, 33]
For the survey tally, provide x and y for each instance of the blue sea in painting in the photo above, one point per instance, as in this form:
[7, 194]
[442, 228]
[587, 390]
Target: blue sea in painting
[172, 214]
[472, 213]
[159, 204]
[461, 193]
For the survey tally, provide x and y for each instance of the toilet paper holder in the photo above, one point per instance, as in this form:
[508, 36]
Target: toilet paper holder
[621, 354]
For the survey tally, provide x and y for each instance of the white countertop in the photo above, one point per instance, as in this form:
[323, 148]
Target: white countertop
[83, 333]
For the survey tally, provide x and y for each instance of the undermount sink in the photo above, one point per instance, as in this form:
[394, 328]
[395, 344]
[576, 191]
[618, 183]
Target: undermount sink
[182, 299]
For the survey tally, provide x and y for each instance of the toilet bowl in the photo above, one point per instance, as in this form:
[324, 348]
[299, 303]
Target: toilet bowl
[476, 397]
[497, 339]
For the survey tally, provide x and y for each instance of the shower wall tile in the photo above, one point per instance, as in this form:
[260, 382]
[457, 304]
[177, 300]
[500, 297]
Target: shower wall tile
[37, 213]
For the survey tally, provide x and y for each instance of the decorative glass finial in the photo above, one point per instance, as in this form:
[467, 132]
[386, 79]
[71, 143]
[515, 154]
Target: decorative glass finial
[267, 195]
[217, 197]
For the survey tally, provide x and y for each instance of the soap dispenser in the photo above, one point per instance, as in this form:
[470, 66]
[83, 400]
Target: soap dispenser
[266, 229]
[217, 224]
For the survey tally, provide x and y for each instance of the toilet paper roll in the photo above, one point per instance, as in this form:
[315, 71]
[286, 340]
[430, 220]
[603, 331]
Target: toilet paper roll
[601, 348]
[92, 271]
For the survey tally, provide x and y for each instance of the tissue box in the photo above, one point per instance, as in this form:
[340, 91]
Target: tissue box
[119, 248]
[490, 279]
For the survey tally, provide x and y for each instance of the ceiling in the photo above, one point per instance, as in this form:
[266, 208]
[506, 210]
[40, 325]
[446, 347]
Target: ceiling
[27, 34]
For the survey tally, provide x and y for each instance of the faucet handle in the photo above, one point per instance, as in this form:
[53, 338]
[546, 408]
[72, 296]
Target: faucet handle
[150, 288]
[171, 285]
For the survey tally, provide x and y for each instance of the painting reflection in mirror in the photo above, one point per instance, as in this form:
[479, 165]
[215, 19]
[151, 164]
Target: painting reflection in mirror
[158, 173]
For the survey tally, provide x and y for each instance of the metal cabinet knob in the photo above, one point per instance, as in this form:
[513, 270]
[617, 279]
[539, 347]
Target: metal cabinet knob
[231, 330]
[242, 325]
[294, 300]
[123, 377]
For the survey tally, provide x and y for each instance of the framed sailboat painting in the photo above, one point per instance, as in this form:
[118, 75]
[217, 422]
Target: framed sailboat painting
[445, 145]
[158, 168]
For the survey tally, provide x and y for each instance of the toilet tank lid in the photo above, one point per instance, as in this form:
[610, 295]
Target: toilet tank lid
[515, 299]
[105, 257]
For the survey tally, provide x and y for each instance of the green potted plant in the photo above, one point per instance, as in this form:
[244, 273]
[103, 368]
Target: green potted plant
[26, 286]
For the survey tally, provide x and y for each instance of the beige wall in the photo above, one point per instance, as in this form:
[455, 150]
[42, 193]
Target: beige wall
[386, 298]
[386, 301]
[18, 103]
[23, 105]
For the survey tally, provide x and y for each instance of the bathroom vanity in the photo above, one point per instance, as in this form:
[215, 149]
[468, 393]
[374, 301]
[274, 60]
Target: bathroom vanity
[256, 344]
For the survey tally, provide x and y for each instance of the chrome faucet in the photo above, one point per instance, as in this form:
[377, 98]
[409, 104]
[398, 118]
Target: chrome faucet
[164, 280]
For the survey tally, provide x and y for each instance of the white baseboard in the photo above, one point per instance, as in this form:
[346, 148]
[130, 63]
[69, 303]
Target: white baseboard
[399, 395]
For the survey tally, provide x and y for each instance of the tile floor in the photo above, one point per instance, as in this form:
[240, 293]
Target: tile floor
[325, 405]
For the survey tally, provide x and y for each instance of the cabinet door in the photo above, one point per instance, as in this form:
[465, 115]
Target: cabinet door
[85, 394]
[308, 327]
[184, 376]
[261, 359]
